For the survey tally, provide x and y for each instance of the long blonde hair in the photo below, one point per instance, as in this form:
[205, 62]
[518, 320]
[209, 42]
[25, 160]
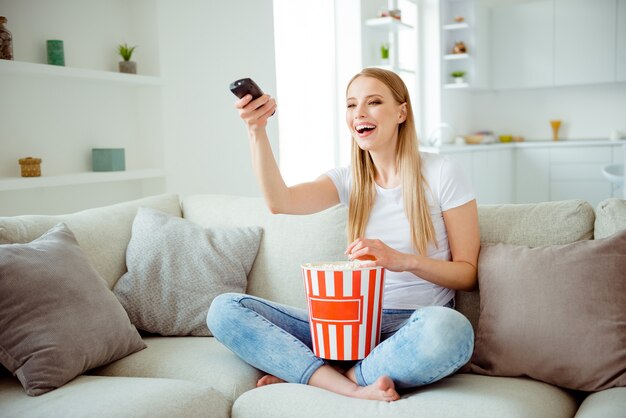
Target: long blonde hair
[363, 192]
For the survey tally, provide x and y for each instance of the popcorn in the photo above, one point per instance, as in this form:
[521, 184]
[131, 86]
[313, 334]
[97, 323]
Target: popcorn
[339, 265]
[344, 301]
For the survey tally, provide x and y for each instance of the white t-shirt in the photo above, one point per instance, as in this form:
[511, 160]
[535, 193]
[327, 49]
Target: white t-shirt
[388, 222]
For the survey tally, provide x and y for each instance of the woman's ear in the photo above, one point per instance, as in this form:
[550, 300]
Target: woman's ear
[402, 114]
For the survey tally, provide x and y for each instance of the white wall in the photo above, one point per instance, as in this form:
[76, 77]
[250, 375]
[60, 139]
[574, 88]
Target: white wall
[348, 61]
[59, 119]
[429, 69]
[90, 29]
[587, 112]
[204, 46]
[306, 94]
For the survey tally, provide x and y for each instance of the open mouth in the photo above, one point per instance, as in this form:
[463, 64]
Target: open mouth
[364, 128]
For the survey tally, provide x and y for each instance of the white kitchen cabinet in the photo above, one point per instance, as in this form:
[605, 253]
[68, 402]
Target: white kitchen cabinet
[621, 40]
[591, 191]
[492, 176]
[522, 46]
[584, 28]
[576, 173]
[562, 171]
[557, 43]
[532, 175]
[544, 171]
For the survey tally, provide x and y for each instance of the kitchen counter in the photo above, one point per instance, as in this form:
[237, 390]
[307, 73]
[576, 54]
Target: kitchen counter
[538, 171]
[452, 148]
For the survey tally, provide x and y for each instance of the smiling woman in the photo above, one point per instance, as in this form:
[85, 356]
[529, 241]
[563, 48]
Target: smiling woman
[412, 214]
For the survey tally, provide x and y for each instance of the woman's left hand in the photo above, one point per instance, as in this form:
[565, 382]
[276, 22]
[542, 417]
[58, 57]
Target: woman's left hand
[377, 253]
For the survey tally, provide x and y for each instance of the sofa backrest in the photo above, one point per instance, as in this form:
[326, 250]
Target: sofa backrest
[534, 225]
[103, 233]
[287, 242]
[610, 217]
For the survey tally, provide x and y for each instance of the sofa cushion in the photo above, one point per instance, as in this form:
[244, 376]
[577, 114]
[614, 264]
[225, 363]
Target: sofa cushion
[554, 313]
[176, 268]
[92, 396]
[610, 403]
[103, 233]
[57, 316]
[547, 223]
[610, 217]
[461, 395]
[202, 360]
[288, 241]
[535, 224]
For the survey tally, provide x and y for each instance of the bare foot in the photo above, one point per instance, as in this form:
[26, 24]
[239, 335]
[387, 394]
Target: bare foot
[268, 379]
[383, 389]
[326, 377]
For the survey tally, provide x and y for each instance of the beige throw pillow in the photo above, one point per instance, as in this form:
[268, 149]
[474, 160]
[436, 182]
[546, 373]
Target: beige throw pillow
[58, 318]
[610, 217]
[554, 313]
[176, 268]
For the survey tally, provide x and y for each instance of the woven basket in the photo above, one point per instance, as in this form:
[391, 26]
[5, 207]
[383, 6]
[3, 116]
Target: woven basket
[31, 167]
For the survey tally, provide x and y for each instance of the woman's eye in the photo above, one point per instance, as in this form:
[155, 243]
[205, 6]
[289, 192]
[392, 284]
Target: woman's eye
[375, 102]
[349, 105]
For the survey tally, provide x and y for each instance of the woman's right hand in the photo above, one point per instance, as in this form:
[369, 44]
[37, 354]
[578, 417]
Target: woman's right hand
[300, 199]
[255, 112]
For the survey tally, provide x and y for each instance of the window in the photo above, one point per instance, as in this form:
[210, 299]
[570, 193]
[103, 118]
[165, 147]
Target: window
[319, 47]
[306, 94]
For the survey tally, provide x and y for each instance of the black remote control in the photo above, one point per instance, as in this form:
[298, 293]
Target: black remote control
[246, 86]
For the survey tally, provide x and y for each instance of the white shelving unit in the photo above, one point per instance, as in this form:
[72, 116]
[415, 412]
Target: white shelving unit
[59, 113]
[73, 179]
[395, 33]
[472, 31]
[456, 26]
[388, 23]
[450, 57]
[391, 26]
[456, 86]
[44, 70]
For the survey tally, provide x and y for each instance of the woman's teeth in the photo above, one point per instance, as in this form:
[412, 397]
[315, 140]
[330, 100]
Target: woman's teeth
[364, 128]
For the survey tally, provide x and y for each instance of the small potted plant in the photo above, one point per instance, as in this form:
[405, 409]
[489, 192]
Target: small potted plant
[458, 76]
[384, 53]
[126, 52]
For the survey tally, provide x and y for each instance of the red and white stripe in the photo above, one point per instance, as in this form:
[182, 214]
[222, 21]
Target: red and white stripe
[345, 310]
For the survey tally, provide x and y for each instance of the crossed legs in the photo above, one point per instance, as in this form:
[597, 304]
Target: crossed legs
[433, 343]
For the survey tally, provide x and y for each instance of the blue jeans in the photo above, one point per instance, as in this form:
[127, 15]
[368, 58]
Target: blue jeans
[418, 347]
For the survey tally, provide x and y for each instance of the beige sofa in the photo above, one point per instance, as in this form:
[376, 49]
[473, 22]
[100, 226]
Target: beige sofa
[197, 376]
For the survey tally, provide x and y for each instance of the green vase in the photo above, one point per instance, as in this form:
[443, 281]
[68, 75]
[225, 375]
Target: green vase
[56, 56]
[384, 51]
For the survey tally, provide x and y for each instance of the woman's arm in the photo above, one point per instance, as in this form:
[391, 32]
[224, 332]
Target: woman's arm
[464, 240]
[300, 199]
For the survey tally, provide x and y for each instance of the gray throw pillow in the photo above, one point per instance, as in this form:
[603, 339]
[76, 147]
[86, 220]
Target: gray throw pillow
[58, 318]
[176, 268]
[554, 313]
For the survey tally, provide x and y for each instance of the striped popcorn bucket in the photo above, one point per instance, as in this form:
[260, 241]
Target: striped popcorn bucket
[345, 308]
